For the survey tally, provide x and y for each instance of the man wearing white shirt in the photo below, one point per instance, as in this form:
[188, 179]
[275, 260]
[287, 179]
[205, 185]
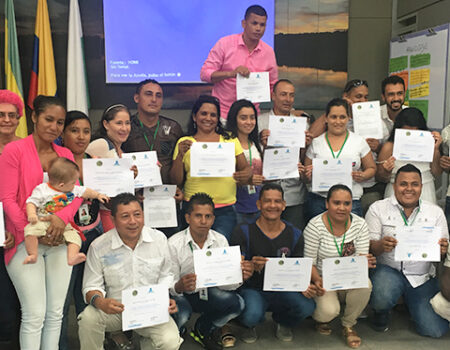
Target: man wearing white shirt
[283, 96]
[413, 280]
[393, 92]
[218, 305]
[128, 256]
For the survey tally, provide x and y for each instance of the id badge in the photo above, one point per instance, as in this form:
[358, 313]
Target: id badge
[203, 294]
[83, 214]
[251, 189]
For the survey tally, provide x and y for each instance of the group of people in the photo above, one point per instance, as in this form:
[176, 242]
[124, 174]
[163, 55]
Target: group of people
[53, 222]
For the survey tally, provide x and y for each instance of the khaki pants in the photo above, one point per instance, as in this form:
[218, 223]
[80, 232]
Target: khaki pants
[328, 306]
[39, 229]
[93, 323]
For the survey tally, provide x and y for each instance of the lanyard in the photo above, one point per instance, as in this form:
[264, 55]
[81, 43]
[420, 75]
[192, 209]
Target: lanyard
[331, 149]
[250, 151]
[192, 248]
[145, 135]
[405, 219]
[340, 251]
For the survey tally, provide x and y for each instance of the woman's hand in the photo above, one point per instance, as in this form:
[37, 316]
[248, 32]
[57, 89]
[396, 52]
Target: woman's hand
[183, 147]
[9, 240]
[389, 164]
[443, 242]
[257, 180]
[307, 173]
[134, 169]
[55, 230]
[371, 260]
[243, 177]
[445, 162]
[319, 287]
[437, 139]
[301, 168]
[308, 138]
[263, 136]
[358, 176]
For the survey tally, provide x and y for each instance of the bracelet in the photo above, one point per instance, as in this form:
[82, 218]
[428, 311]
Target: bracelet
[94, 297]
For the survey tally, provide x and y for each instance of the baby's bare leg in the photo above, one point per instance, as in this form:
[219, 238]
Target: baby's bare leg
[74, 256]
[31, 245]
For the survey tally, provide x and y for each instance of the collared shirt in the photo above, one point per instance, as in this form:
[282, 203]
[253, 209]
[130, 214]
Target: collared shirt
[182, 246]
[388, 123]
[385, 216]
[169, 132]
[294, 189]
[229, 53]
[112, 266]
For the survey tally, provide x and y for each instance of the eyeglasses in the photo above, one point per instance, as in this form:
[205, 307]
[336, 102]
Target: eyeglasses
[355, 83]
[10, 115]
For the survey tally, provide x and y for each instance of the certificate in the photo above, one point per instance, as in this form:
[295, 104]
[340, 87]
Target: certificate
[145, 306]
[418, 243]
[367, 119]
[255, 88]
[281, 163]
[345, 273]
[110, 176]
[287, 274]
[160, 206]
[329, 172]
[2, 226]
[213, 159]
[217, 266]
[413, 145]
[287, 131]
[149, 173]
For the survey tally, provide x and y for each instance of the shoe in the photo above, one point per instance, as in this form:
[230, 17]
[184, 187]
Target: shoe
[208, 342]
[249, 335]
[119, 341]
[227, 337]
[379, 321]
[283, 333]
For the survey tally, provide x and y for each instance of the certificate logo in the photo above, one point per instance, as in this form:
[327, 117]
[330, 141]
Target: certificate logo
[133, 157]
[408, 133]
[337, 262]
[424, 255]
[152, 189]
[359, 107]
[205, 146]
[281, 262]
[281, 120]
[208, 253]
[275, 152]
[99, 163]
[135, 292]
[325, 162]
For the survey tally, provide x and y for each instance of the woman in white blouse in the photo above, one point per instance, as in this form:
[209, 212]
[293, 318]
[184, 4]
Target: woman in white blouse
[338, 233]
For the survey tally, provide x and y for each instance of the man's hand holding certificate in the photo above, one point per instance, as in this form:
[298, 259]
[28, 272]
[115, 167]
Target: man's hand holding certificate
[160, 207]
[218, 266]
[418, 243]
[329, 172]
[345, 273]
[213, 159]
[287, 131]
[149, 173]
[367, 119]
[413, 145]
[287, 274]
[108, 175]
[255, 87]
[145, 306]
[281, 163]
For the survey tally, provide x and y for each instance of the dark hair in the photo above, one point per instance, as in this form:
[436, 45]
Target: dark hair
[409, 117]
[232, 121]
[199, 198]
[202, 99]
[122, 199]
[271, 186]
[41, 103]
[338, 187]
[336, 102]
[281, 81]
[62, 169]
[256, 9]
[108, 115]
[74, 116]
[145, 82]
[408, 168]
[354, 84]
[393, 80]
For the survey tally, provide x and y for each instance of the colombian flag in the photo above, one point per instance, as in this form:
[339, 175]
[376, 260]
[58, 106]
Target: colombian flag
[12, 62]
[43, 77]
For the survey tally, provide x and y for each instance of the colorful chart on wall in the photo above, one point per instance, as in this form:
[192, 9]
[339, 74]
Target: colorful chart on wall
[421, 59]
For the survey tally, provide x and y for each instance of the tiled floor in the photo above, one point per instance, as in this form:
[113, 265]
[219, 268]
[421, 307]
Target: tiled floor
[400, 336]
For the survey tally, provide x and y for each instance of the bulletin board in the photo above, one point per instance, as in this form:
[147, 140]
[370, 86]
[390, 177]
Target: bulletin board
[421, 59]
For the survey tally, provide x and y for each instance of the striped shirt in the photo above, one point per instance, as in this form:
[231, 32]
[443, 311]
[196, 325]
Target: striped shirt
[320, 243]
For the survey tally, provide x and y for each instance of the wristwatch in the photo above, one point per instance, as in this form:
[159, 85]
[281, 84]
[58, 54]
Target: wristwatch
[92, 301]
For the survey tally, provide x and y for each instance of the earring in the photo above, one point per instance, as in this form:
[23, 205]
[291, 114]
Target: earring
[195, 125]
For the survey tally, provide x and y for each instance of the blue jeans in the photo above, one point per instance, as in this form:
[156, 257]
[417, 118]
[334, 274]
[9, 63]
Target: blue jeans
[221, 307]
[75, 287]
[315, 205]
[389, 284]
[288, 308]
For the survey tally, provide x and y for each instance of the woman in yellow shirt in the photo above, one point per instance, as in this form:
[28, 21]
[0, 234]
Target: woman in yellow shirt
[204, 126]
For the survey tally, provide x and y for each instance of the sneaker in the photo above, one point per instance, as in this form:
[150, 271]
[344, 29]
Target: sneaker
[249, 335]
[283, 333]
[208, 342]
